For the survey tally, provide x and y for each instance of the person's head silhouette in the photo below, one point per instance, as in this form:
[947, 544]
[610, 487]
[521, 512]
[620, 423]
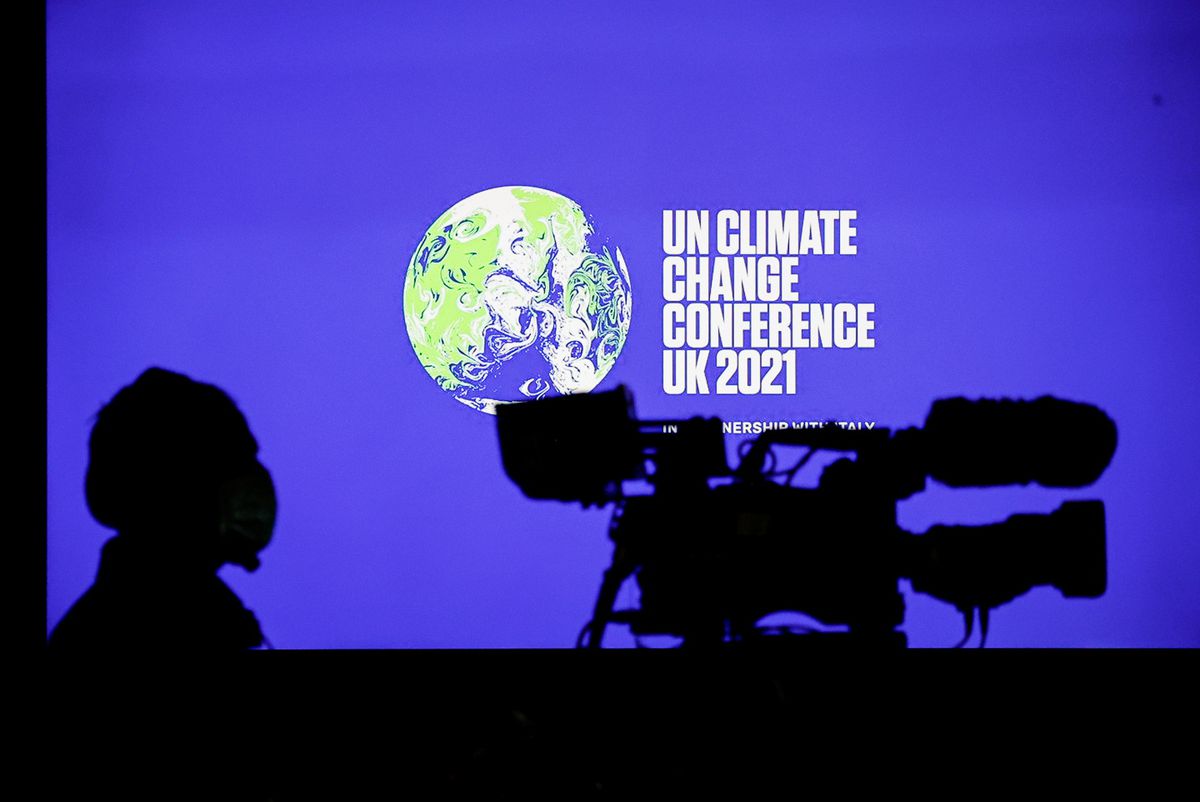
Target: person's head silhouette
[173, 467]
[173, 460]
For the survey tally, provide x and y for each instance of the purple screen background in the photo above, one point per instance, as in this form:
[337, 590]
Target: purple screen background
[234, 190]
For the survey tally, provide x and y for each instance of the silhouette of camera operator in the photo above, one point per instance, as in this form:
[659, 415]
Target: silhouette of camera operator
[173, 468]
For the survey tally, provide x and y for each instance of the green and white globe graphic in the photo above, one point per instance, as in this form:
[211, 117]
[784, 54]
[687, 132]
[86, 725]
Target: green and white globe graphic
[508, 298]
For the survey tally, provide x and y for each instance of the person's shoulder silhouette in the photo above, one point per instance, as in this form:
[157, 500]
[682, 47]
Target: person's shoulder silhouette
[173, 468]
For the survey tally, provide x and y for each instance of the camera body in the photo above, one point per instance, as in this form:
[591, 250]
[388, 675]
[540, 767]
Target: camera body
[713, 565]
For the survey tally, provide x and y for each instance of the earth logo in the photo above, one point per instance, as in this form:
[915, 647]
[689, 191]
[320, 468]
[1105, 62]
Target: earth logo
[508, 298]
